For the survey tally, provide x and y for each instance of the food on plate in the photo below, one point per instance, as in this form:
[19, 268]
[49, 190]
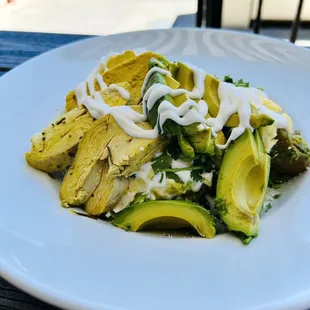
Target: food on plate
[173, 213]
[54, 148]
[242, 183]
[150, 144]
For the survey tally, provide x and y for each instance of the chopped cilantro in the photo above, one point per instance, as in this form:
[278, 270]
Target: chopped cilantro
[239, 83]
[162, 162]
[161, 177]
[267, 207]
[260, 88]
[221, 206]
[205, 163]
[228, 79]
[196, 175]
[183, 169]
[277, 196]
[174, 149]
[173, 176]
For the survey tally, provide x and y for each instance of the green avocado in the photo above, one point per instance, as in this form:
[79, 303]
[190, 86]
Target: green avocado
[166, 214]
[185, 76]
[211, 96]
[186, 147]
[242, 183]
[173, 68]
[201, 140]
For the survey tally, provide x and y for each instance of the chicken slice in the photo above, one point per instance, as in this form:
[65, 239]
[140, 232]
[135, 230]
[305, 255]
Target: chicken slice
[84, 175]
[54, 148]
[107, 194]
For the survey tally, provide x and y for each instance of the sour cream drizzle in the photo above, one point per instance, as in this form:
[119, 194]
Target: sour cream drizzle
[189, 112]
[122, 91]
[238, 100]
[101, 82]
[95, 75]
[199, 79]
[232, 100]
[81, 89]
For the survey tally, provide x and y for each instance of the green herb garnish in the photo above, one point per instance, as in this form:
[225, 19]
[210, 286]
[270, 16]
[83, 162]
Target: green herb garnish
[206, 164]
[221, 206]
[161, 177]
[239, 83]
[173, 176]
[228, 79]
[243, 237]
[162, 162]
[267, 207]
[196, 175]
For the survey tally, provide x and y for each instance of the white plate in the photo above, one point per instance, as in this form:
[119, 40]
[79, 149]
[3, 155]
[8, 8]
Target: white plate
[79, 263]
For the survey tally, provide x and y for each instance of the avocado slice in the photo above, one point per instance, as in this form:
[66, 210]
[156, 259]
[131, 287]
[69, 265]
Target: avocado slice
[190, 138]
[268, 135]
[173, 68]
[166, 214]
[186, 147]
[218, 153]
[242, 183]
[211, 97]
[185, 76]
[169, 127]
[201, 140]
[261, 172]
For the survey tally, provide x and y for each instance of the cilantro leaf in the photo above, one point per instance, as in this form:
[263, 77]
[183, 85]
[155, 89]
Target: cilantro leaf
[173, 176]
[206, 164]
[228, 79]
[239, 83]
[196, 175]
[204, 161]
[268, 207]
[174, 149]
[162, 162]
[161, 177]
